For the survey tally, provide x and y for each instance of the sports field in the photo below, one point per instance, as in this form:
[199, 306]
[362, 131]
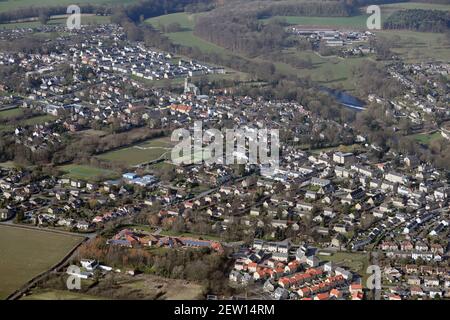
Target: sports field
[26, 253]
[147, 151]
[87, 173]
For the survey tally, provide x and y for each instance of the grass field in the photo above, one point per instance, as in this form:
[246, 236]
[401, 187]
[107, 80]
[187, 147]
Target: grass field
[189, 235]
[358, 21]
[59, 295]
[185, 37]
[356, 262]
[11, 113]
[147, 151]
[85, 20]
[417, 46]
[25, 253]
[87, 173]
[6, 5]
[158, 288]
[329, 71]
[427, 138]
[413, 5]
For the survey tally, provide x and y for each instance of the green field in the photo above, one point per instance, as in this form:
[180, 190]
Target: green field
[26, 253]
[329, 71]
[358, 21]
[147, 151]
[418, 46]
[6, 5]
[185, 37]
[427, 138]
[413, 5]
[189, 235]
[87, 173]
[11, 113]
[85, 20]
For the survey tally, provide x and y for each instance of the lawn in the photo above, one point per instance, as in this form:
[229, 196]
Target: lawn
[356, 262]
[342, 148]
[87, 173]
[26, 253]
[427, 138]
[147, 151]
[190, 235]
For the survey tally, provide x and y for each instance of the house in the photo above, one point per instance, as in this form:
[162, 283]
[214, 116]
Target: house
[129, 176]
[89, 265]
[6, 214]
[396, 177]
[347, 275]
[312, 261]
[343, 158]
[281, 294]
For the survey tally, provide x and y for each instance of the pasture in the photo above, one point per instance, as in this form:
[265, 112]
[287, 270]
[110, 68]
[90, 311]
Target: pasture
[26, 253]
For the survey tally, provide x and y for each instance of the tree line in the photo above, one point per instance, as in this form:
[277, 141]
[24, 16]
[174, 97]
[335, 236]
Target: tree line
[419, 20]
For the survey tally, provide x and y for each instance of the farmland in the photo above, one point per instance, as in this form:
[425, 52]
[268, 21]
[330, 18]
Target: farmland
[417, 46]
[59, 20]
[147, 151]
[87, 173]
[26, 253]
[358, 21]
[186, 36]
[16, 4]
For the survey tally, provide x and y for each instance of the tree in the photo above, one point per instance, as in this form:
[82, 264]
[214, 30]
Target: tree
[44, 17]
